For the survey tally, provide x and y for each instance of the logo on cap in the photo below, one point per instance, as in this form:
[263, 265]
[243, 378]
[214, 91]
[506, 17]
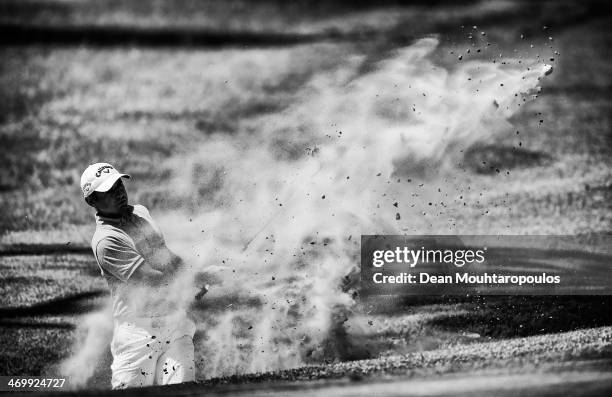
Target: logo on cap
[105, 168]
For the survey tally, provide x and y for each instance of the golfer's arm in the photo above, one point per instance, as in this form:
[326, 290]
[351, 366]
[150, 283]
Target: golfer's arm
[167, 261]
[164, 259]
[146, 274]
[176, 263]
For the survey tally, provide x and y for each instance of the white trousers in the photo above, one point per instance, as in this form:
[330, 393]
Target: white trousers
[156, 351]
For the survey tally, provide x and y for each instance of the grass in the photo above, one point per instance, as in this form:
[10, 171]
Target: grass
[239, 15]
[28, 280]
[84, 119]
[29, 351]
[398, 325]
[515, 355]
[32, 341]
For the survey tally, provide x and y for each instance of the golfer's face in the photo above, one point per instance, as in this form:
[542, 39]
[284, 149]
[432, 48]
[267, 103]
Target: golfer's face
[113, 200]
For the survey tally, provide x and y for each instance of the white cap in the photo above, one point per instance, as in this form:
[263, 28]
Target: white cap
[99, 177]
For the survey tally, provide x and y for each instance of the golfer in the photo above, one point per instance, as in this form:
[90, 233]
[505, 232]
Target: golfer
[152, 339]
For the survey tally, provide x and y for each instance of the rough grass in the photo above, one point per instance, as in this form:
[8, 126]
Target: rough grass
[523, 353]
[30, 351]
[395, 325]
[302, 16]
[27, 280]
[42, 298]
[77, 114]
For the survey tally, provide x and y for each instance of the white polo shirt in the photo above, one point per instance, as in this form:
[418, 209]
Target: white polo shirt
[120, 246]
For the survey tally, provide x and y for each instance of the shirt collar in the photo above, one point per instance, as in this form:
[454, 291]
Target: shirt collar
[115, 220]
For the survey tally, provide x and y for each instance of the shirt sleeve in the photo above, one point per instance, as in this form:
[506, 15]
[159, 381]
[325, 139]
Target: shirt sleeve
[144, 212]
[118, 258]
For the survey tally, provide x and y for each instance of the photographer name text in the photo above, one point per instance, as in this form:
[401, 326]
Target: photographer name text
[464, 278]
[456, 257]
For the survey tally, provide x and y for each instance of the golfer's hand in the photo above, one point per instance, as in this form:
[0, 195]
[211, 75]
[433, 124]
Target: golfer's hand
[211, 275]
[202, 292]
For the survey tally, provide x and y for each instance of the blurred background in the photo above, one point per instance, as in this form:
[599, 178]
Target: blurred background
[140, 84]
[145, 85]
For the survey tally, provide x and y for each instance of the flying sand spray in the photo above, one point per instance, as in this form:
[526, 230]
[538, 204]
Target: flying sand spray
[285, 228]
